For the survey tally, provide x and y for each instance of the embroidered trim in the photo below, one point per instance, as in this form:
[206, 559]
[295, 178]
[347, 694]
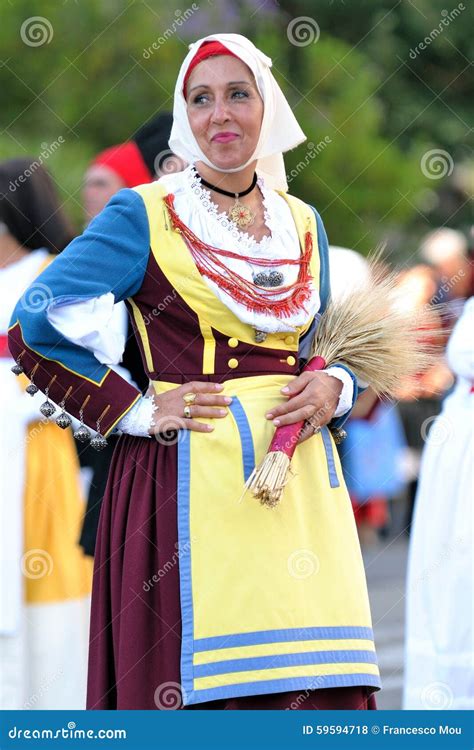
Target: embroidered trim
[245, 240]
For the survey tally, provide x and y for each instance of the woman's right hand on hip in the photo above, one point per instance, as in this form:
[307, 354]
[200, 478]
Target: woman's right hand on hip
[208, 404]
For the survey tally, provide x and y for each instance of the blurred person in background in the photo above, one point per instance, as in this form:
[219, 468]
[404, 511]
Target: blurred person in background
[446, 252]
[111, 170]
[439, 653]
[371, 454]
[135, 162]
[372, 458]
[146, 157]
[420, 399]
[45, 581]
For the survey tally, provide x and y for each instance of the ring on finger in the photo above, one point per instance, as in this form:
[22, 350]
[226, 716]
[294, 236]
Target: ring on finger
[189, 398]
[316, 427]
[187, 412]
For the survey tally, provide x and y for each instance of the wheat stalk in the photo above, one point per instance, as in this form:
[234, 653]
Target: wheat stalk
[372, 331]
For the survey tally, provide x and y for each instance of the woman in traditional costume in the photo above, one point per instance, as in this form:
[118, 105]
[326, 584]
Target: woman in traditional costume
[439, 633]
[45, 581]
[203, 597]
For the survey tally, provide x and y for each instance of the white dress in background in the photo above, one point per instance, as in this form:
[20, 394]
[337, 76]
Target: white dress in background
[44, 588]
[439, 666]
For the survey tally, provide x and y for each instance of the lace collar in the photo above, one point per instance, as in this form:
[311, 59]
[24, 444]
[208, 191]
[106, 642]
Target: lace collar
[243, 239]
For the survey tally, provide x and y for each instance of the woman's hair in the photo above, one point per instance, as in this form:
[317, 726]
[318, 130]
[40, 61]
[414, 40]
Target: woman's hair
[30, 208]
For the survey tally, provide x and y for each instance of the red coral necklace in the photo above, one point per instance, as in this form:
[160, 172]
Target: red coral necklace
[262, 300]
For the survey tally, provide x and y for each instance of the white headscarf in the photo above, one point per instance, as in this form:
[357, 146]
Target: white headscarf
[280, 131]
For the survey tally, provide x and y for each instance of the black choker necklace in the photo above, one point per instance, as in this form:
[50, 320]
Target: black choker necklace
[229, 193]
[238, 213]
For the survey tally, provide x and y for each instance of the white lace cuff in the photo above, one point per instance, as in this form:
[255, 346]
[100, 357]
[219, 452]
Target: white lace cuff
[139, 419]
[347, 393]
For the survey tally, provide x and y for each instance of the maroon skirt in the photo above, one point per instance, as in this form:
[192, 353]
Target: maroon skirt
[135, 636]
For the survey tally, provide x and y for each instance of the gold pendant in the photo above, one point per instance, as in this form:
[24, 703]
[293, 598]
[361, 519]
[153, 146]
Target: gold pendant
[241, 215]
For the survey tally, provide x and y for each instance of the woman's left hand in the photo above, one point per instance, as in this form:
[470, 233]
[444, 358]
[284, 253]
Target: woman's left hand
[312, 396]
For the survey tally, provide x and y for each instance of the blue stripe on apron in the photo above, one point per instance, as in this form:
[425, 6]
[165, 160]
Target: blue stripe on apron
[248, 451]
[284, 660]
[283, 635]
[184, 547]
[333, 478]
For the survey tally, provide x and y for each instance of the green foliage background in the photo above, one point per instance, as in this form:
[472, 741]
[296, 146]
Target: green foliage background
[98, 79]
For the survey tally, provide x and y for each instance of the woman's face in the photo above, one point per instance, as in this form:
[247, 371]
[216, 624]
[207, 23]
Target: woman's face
[225, 110]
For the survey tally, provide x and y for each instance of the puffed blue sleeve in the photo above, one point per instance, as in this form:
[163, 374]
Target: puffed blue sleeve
[111, 256]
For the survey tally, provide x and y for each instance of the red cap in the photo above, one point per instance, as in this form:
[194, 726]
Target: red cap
[126, 161]
[207, 49]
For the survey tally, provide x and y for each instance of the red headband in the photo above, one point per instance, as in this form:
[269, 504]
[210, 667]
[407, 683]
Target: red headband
[127, 162]
[207, 49]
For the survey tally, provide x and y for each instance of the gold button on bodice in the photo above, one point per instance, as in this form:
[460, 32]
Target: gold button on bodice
[291, 360]
[290, 340]
[233, 363]
[233, 342]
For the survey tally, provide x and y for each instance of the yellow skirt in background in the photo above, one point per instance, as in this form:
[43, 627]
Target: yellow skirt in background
[44, 662]
[54, 565]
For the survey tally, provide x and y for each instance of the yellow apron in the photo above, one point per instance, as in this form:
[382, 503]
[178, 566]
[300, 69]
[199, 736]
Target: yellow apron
[272, 599]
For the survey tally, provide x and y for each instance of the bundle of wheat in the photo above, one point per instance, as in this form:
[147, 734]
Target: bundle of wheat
[371, 331]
